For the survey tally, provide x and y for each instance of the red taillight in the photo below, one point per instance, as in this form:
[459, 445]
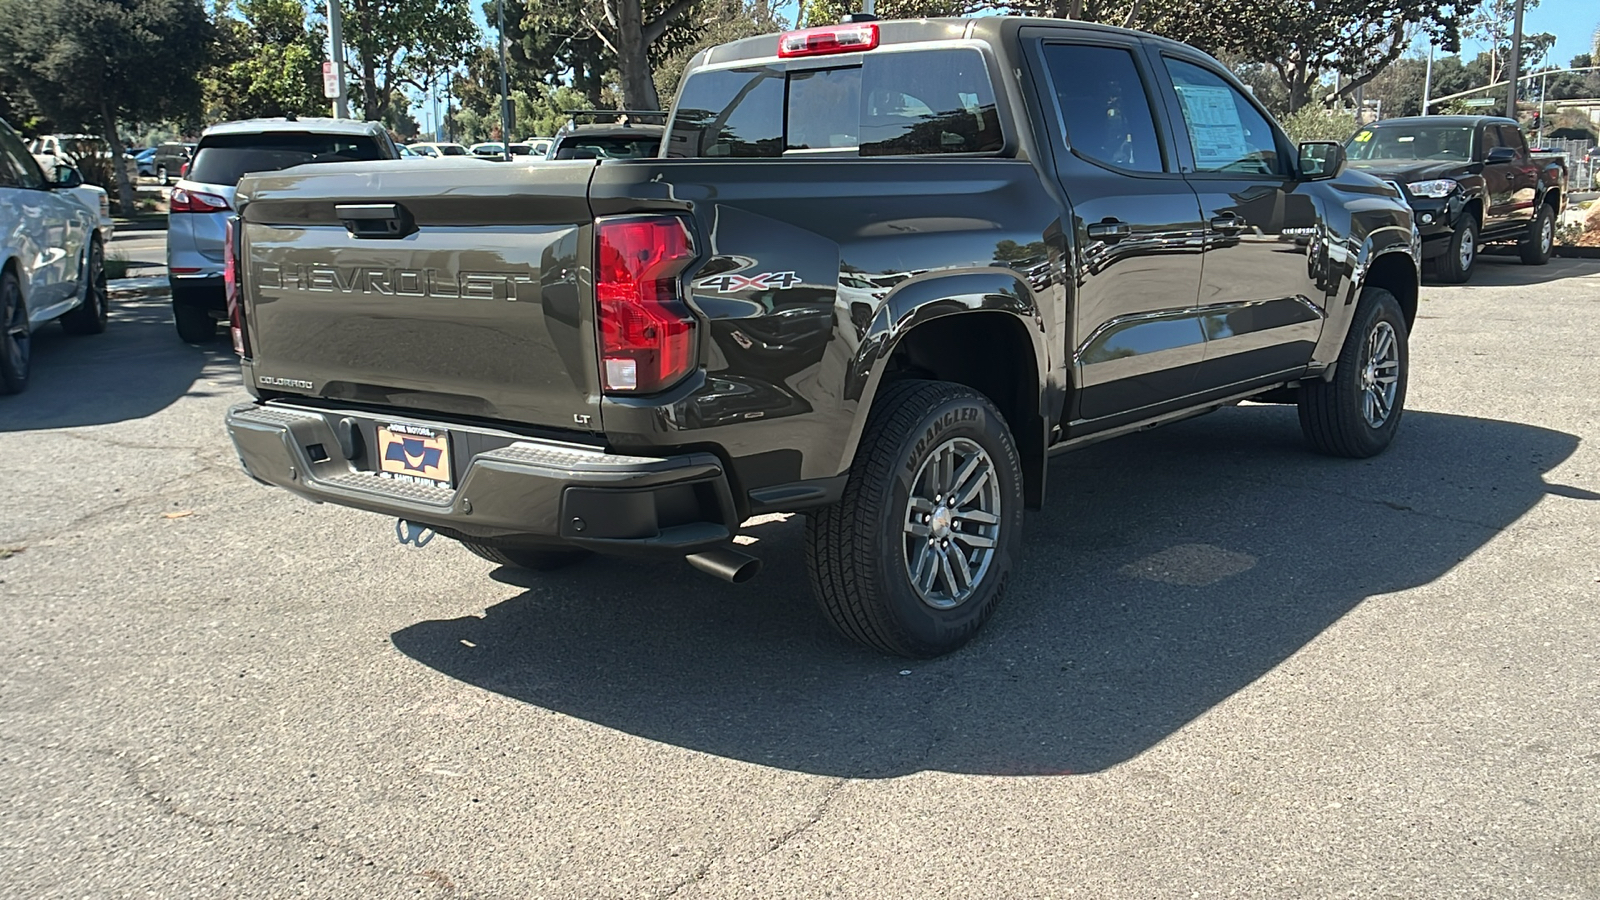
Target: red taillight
[230, 288]
[186, 201]
[828, 39]
[646, 334]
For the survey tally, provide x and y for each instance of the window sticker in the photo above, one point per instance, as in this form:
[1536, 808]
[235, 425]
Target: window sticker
[1214, 125]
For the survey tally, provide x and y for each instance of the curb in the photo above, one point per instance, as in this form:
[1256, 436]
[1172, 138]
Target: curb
[136, 288]
[1570, 252]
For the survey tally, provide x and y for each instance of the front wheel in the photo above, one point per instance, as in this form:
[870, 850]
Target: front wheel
[915, 557]
[1455, 267]
[15, 335]
[91, 316]
[1541, 238]
[1357, 413]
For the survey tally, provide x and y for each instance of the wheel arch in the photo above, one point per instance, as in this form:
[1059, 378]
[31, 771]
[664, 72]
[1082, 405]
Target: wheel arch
[979, 329]
[1397, 274]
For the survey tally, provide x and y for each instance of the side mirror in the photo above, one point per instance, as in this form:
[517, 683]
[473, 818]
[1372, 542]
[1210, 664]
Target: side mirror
[1321, 160]
[66, 177]
[1500, 155]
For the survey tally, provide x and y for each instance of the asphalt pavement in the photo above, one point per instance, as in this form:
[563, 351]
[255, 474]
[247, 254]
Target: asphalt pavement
[1227, 667]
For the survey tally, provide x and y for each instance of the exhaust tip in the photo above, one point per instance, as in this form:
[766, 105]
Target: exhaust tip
[729, 565]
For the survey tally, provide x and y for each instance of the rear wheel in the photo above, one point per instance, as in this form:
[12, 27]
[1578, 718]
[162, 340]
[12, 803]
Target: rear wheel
[15, 336]
[915, 557]
[1541, 237]
[195, 324]
[161, 176]
[1455, 267]
[91, 316]
[1357, 414]
[524, 558]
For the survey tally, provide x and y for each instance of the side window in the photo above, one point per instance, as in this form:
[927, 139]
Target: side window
[926, 102]
[1511, 137]
[1105, 110]
[1228, 134]
[729, 113]
[1491, 140]
[21, 167]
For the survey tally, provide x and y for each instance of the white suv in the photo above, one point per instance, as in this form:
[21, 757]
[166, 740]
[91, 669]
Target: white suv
[52, 261]
[202, 200]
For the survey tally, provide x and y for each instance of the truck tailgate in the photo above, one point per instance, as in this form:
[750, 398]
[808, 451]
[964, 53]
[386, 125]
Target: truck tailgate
[485, 319]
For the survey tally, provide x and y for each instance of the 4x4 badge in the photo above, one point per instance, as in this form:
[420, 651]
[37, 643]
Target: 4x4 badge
[727, 284]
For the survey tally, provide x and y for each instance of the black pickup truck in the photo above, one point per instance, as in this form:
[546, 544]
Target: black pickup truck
[1470, 180]
[880, 274]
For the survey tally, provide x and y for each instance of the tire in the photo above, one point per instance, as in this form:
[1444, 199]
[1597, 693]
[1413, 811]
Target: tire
[524, 558]
[1457, 263]
[195, 324]
[1344, 417]
[861, 550]
[1541, 237]
[161, 176]
[91, 316]
[16, 340]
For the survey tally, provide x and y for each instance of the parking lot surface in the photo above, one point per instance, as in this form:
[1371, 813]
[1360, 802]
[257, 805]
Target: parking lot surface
[1226, 667]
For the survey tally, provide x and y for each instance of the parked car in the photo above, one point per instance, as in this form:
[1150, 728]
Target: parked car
[68, 149]
[1471, 181]
[624, 137]
[202, 200]
[1073, 232]
[488, 148]
[90, 196]
[437, 149]
[538, 146]
[170, 160]
[144, 162]
[52, 261]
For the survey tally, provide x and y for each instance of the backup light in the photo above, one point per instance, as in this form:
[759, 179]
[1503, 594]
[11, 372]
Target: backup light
[828, 39]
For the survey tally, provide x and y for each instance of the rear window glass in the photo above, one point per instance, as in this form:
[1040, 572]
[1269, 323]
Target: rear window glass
[225, 159]
[600, 147]
[892, 104]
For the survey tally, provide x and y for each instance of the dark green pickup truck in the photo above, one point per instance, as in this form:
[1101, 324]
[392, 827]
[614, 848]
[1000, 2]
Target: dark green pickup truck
[880, 272]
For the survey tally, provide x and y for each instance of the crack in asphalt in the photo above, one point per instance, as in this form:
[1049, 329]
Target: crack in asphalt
[122, 761]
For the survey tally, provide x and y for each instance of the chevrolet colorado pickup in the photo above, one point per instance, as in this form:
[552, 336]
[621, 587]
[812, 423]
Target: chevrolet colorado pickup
[879, 274]
[1470, 180]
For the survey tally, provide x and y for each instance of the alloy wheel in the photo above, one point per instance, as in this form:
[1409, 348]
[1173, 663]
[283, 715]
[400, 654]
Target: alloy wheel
[952, 523]
[1380, 374]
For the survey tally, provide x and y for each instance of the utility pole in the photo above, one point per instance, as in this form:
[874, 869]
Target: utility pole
[1516, 63]
[341, 102]
[1427, 80]
[1544, 85]
[505, 91]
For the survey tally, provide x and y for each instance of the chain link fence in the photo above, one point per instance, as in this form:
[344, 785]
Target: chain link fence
[1581, 164]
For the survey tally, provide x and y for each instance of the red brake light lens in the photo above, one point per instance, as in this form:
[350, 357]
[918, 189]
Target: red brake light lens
[646, 333]
[828, 39]
[186, 201]
[230, 288]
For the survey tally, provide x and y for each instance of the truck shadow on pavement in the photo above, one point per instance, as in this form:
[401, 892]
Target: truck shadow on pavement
[1170, 570]
[136, 368]
[1501, 269]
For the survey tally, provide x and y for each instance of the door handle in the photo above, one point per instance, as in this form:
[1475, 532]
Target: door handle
[1109, 230]
[1228, 224]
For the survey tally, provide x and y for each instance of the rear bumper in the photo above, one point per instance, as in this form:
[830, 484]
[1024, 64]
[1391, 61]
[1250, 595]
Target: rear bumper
[509, 489]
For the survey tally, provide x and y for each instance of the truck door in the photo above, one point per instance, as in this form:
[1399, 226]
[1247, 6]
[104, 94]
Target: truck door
[1498, 183]
[1523, 176]
[1135, 223]
[1260, 303]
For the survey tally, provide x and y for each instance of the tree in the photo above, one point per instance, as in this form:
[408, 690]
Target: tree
[719, 21]
[99, 62]
[581, 42]
[394, 43]
[267, 64]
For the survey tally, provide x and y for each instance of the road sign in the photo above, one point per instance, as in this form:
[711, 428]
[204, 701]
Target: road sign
[330, 80]
[1480, 101]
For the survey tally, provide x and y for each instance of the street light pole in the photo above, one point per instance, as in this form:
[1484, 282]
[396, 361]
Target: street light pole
[341, 102]
[505, 91]
[1516, 63]
[1427, 80]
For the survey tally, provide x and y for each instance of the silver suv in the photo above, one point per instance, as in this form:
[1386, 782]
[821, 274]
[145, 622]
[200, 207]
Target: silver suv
[203, 199]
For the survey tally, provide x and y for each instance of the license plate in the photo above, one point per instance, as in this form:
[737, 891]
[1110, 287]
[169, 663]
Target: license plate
[414, 453]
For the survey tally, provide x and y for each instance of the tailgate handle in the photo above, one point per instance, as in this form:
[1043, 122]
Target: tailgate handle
[376, 220]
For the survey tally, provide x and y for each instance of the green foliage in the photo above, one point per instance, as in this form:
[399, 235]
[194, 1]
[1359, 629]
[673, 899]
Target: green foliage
[267, 64]
[720, 21]
[1313, 123]
[393, 43]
